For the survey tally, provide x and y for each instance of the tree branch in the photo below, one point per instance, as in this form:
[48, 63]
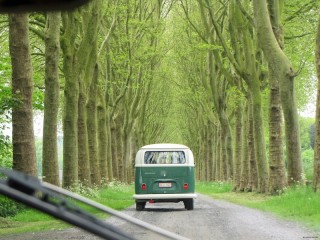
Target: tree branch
[107, 38]
[297, 36]
[192, 24]
[305, 8]
[37, 32]
[223, 42]
[245, 13]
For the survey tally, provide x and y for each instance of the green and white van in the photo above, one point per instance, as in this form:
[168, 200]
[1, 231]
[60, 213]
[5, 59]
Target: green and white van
[164, 173]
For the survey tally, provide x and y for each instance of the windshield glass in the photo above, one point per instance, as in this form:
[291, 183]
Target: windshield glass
[164, 157]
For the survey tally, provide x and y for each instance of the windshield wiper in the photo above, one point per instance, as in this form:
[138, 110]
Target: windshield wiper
[51, 199]
[29, 190]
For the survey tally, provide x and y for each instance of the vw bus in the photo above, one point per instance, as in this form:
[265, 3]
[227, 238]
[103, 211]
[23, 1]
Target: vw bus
[164, 173]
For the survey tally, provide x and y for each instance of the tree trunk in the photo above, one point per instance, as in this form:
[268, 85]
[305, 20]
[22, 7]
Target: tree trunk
[210, 155]
[24, 156]
[114, 151]
[316, 178]
[128, 158]
[80, 58]
[92, 129]
[50, 168]
[112, 170]
[259, 139]
[245, 46]
[120, 154]
[84, 171]
[216, 85]
[280, 66]
[110, 162]
[238, 148]
[223, 157]
[217, 156]
[207, 154]
[213, 154]
[244, 171]
[253, 170]
[277, 179]
[102, 136]
[203, 155]
[226, 136]
[71, 93]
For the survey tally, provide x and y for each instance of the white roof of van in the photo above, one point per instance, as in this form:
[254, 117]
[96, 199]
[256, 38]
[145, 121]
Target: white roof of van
[165, 146]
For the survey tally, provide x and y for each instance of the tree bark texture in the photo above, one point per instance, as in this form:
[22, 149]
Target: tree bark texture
[106, 100]
[244, 170]
[109, 159]
[210, 155]
[223, 157]
[277, 179]
[24, 156]
[217, 156]
[114, 151]
[213, 155]
[253, 169]
[102, 136]
[259, 139]
[84, 171]
[50, 168]
[71, 95]
[92, 125]
[248, 67]
[238, 147]
[316, 178]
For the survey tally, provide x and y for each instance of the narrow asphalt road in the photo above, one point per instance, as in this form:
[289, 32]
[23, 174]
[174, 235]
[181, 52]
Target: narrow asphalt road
[210, 219]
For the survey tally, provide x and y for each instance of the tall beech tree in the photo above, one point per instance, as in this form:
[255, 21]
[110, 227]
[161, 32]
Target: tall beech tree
[217, 83]
[280, 66]
[102, 92]
[244, 167]
[277, 179]
[50, 169]
[253, 168]
[316, 177]
[79, 53]
[239, 148]
[90, 44]
[24, 156]
[71, 96]
[247, 65]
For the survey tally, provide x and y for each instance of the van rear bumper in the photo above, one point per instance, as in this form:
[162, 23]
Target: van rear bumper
[164, 196]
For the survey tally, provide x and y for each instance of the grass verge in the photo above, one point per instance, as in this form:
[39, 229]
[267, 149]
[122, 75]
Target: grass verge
[297, 203]
[117, 196]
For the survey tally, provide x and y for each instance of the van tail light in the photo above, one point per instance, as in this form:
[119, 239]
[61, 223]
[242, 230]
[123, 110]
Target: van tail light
[186, 186]
[144, 186]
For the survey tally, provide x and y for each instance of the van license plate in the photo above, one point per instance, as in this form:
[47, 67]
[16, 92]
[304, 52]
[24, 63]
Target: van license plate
[165, 184]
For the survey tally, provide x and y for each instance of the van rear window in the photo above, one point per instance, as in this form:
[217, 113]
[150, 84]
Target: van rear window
[164, 157]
